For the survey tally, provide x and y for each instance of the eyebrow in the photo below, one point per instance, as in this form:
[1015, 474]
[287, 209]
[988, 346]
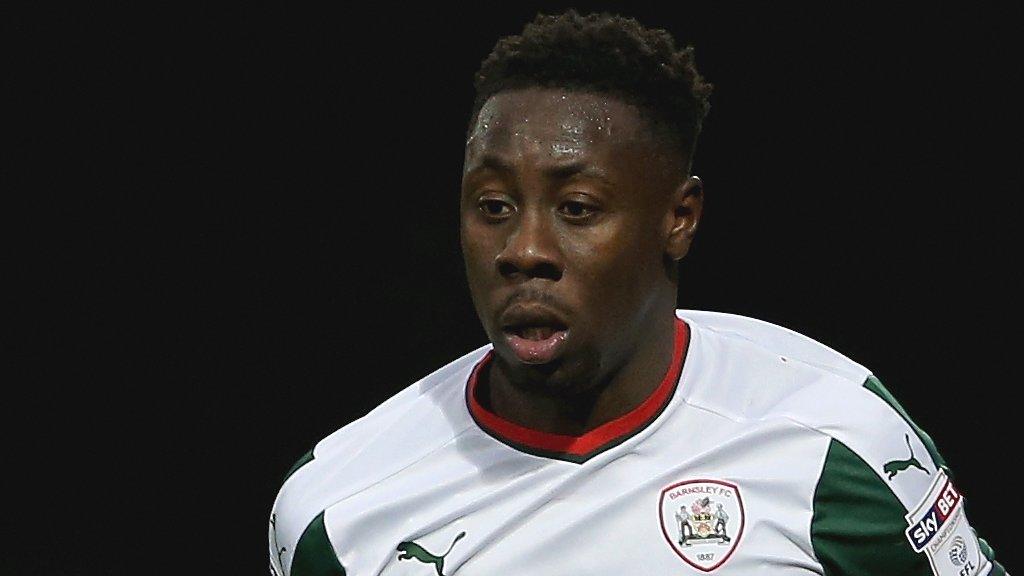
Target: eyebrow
[556, 172]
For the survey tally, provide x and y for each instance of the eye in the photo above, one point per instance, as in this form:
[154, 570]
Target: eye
[576, 210]
[496, 209]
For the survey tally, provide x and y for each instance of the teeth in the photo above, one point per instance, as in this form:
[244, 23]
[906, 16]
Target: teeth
[537, 332]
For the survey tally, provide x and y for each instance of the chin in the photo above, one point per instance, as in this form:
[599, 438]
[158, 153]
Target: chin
[564, 376]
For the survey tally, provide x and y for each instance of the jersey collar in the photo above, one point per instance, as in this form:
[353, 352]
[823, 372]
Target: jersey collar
[583, 447]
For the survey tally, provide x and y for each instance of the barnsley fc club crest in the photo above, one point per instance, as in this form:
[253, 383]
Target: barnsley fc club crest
[702, 521]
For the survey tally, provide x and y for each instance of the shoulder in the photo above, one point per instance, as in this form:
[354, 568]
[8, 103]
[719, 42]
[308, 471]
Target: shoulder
[752, 370]
[417, 420]
[760, 370]
[433, 406]
[774, 340]
[881, 476]
[772, 372]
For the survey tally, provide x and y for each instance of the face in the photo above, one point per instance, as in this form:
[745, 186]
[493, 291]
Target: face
[572, 217]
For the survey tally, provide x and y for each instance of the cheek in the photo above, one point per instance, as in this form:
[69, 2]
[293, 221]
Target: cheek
[478, 250]
[623, 250]
[617, 266]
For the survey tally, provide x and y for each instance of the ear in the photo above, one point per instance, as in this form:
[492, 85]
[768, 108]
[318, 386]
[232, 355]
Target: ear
[687, 206]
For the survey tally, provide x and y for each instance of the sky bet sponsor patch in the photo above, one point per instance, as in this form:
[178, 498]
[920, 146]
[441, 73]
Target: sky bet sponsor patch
[939, 529]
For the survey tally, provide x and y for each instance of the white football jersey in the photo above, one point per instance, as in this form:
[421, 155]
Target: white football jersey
[761, 452]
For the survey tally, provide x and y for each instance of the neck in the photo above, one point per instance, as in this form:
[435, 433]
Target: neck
[613, 393]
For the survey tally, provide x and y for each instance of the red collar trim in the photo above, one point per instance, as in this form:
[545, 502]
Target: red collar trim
[579, 448]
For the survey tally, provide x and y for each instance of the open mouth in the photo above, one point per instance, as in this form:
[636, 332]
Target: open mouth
[536, 344]
[535, 333]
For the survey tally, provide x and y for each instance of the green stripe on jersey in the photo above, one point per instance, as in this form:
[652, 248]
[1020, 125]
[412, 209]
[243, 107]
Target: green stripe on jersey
[314, 555]
[858, 523]
[305, 459]
[874, 385]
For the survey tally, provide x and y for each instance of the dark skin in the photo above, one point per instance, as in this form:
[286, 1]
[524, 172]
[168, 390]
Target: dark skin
[574, 214]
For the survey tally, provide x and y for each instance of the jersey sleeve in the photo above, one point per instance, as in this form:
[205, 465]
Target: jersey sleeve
[312, 553]
[901, 516]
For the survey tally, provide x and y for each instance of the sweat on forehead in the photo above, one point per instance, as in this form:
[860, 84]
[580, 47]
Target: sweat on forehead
[555, 115]
[562, 123]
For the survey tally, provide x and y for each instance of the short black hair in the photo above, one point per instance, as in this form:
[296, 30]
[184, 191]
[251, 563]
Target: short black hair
[607, 54]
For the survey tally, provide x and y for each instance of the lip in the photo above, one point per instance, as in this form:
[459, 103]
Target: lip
[530, 314]
[536, 350]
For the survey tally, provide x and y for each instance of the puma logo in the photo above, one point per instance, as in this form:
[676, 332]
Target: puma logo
[280, 549]
[896, 466]
[410, 550]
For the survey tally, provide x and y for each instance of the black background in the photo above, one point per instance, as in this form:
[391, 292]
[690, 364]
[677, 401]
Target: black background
[242, 234]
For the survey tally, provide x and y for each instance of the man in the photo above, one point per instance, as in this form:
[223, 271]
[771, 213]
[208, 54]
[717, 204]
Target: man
[567, 445]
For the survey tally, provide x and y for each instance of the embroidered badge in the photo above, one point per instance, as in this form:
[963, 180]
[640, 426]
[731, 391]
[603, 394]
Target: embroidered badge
[702, 520]
[938, 528]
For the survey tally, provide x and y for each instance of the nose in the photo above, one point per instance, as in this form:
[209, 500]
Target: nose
[531, 249]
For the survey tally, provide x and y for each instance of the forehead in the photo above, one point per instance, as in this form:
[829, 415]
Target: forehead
[555, 123]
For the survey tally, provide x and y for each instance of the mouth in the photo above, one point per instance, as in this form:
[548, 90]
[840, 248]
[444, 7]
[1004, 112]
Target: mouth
[536, 336]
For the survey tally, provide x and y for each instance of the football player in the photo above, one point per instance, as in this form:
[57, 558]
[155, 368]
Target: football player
[602, 431]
